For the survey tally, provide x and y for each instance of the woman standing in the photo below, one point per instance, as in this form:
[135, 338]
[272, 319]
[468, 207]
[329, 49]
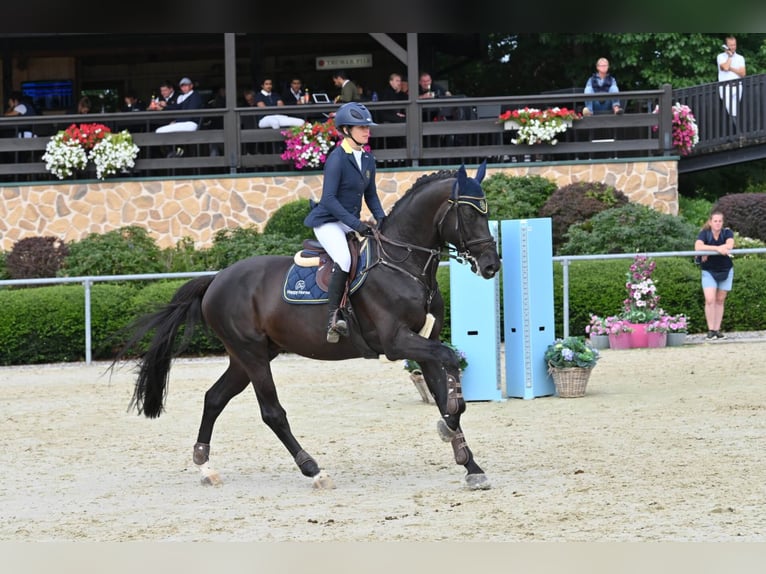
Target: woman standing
[717, 270]
[349, 175]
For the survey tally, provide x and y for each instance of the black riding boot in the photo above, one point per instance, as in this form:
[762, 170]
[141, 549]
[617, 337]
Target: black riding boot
[336, 325]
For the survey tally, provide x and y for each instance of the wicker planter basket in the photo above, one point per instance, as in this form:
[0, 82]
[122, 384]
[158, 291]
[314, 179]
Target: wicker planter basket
[570, 383]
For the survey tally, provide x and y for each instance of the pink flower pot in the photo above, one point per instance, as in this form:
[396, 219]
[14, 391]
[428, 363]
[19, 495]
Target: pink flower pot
[619, 341]
[638, 337]
[656, 340]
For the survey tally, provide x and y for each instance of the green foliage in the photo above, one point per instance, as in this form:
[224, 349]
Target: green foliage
[576, 203]
[36, 257]
[124, 251]
[288, 220]
[746, 302]
[630, 228]
[516, 197]
[3, 269]
[184, 257]
[741, 242]
[47, 325]
[232, 245]
[745, 213]
[694, 210]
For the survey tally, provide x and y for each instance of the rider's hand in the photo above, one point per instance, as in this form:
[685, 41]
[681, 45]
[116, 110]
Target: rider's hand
[364, 230]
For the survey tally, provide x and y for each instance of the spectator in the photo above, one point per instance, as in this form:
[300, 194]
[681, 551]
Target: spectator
[391, 93]
[189, 99]
[131, 103]
[249, 96]
[168, 96]
[20, 105]
[84, 106]
[295, 93]
[267, 97]
[428, 89]
[406, 88]
[731, 66]
[717, 270]
[348, 91]
[601, 82]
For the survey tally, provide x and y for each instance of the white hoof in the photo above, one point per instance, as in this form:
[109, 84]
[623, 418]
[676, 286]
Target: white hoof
[477, 482]
[209, 476]
[323, 481]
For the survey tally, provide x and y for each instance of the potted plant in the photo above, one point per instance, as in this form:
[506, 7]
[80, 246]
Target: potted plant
[598, 332]
[641, 305]
[657, 332]
[538, 126]
[619, 332]
[308, 146]
[678, 326]
[570, 362]
[70, 150]
[416, 375]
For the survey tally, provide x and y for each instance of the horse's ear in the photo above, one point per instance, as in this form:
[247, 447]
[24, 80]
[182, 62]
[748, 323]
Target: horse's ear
[481, 172]
[461, 181]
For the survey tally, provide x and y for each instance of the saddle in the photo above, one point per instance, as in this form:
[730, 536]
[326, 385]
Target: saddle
[308, 278]
[314, 255]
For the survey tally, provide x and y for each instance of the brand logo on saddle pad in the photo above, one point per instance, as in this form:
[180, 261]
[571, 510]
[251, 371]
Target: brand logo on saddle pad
[301, 285]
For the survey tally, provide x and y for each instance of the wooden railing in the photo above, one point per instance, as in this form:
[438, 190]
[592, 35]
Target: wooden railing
[466, 131]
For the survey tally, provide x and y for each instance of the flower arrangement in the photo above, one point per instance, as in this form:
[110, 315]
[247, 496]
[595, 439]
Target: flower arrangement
[616, 325]
[685, 130]
[668, 324]
[573, 351]
[70, 150]
[641, 304]
[539, 126]
[414, 367]
[307, 146]
[597, 326]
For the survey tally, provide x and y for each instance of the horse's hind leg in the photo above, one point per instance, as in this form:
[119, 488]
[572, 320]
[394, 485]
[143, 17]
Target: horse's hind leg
[233, 381]
[275, 416]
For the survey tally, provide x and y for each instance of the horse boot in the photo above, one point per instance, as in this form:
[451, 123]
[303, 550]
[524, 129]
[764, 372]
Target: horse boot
[336, 325]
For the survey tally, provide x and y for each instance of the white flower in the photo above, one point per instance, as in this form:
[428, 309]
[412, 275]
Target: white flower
[115, 152]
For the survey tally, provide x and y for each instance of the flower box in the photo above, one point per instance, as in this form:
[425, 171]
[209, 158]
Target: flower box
[638, 338]
[537, 126]
[655, 340]
[619, 341]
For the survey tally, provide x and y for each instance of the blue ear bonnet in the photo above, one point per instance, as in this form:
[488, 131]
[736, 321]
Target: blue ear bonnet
[468, 191]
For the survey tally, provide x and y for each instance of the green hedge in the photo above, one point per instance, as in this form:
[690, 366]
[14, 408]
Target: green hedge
[46, 324]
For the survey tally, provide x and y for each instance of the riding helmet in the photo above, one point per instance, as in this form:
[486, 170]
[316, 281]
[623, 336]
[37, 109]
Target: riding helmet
[353, 114]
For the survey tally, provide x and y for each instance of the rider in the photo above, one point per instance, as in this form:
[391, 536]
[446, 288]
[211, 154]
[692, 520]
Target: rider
[349, 174]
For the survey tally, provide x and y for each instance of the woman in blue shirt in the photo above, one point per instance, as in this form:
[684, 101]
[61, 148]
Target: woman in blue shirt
[349, 176]
[717, 270]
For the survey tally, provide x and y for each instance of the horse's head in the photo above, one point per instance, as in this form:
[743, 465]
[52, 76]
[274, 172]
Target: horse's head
[465, 224]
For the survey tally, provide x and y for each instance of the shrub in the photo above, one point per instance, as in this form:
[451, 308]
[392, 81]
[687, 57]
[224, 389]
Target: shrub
[288, 220]
[745, 212]
[232, 245]
[630, 228]
[576, 203]
[124, 251]
[3, 269]
[516, 197]
[47, 325]
[36, 257]
[184, 257]
[694, 210]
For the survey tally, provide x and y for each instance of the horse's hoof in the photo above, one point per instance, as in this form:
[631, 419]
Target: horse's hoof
[210, 477]
[477, 482]
[445, 433]
[322, 481]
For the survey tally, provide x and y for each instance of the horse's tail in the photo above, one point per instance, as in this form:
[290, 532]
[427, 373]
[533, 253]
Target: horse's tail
[184, 310]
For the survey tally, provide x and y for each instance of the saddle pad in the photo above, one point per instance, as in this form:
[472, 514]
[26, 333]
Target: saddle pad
[301, 285]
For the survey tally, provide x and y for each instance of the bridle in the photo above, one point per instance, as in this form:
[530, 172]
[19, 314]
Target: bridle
[463, 252]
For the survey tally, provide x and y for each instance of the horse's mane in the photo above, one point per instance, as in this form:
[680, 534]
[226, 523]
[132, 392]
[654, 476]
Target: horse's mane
[421, 182]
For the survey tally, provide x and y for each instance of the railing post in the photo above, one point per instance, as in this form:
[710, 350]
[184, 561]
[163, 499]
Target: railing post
[88, 345]
[666, 120]
[565, 297]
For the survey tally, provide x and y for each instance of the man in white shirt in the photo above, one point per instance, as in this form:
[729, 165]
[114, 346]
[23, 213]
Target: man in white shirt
[731, 66]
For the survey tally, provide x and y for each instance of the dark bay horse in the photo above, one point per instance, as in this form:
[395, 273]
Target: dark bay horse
[244, 307]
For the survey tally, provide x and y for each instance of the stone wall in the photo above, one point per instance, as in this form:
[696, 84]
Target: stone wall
[192, 207]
